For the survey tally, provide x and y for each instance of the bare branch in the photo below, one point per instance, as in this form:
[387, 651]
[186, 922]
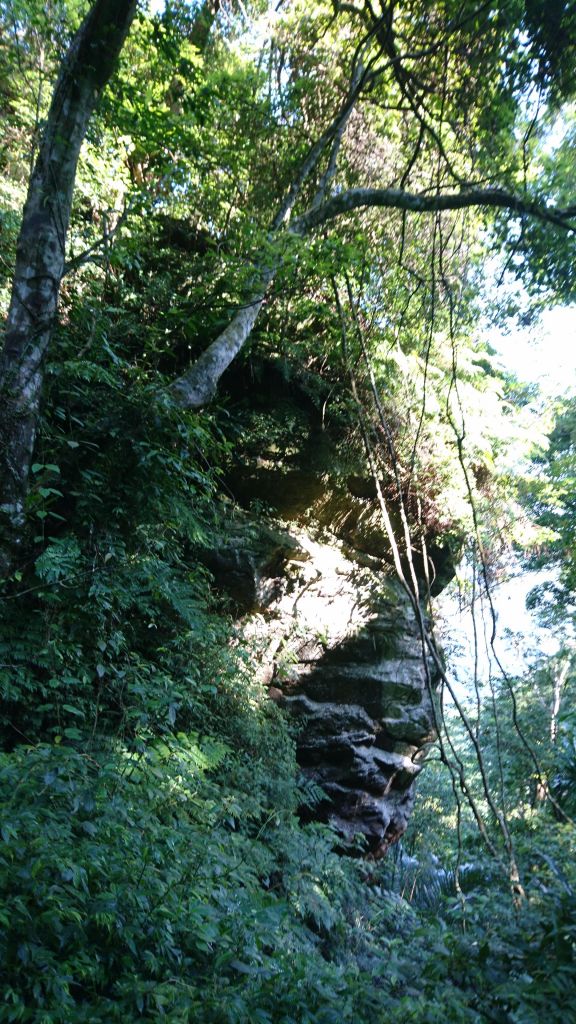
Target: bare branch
[398, 199]
[335, 128]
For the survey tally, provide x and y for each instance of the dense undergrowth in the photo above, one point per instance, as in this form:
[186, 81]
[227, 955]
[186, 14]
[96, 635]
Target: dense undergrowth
[170, 884]
[153, 863]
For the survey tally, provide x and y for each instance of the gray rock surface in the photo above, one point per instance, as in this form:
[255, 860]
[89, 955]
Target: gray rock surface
[333, 636]
[340, 650]
[248, 562]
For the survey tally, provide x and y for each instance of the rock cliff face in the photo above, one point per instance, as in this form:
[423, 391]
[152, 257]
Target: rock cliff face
[336, 643]
[334, 637]
[339, 649]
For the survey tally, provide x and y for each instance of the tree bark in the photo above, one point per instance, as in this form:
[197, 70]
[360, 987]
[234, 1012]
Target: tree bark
[198, 385]
[40, 255]
[398, 199]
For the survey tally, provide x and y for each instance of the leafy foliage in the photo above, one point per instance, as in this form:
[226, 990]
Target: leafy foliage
[152, 861]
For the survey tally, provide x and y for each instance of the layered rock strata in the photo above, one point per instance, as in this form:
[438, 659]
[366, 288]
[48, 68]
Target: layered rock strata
[333, 637]
[338, 646]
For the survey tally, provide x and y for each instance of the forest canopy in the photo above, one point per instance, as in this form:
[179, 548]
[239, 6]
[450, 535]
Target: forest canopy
[267, 145]
[233, 233]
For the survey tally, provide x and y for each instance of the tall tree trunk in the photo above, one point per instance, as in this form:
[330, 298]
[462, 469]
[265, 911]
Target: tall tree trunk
[40, 255]
[204, 19]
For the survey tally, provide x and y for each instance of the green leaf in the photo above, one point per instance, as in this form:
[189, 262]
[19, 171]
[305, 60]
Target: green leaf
[73, 711]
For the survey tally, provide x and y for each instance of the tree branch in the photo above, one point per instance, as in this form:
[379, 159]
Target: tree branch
[197, 386]
[398, 199]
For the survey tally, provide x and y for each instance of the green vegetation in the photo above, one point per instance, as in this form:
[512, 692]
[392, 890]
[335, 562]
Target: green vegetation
[155, 863]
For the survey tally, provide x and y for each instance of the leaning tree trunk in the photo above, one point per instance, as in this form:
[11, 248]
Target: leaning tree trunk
[198, 385]
[40, 255]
